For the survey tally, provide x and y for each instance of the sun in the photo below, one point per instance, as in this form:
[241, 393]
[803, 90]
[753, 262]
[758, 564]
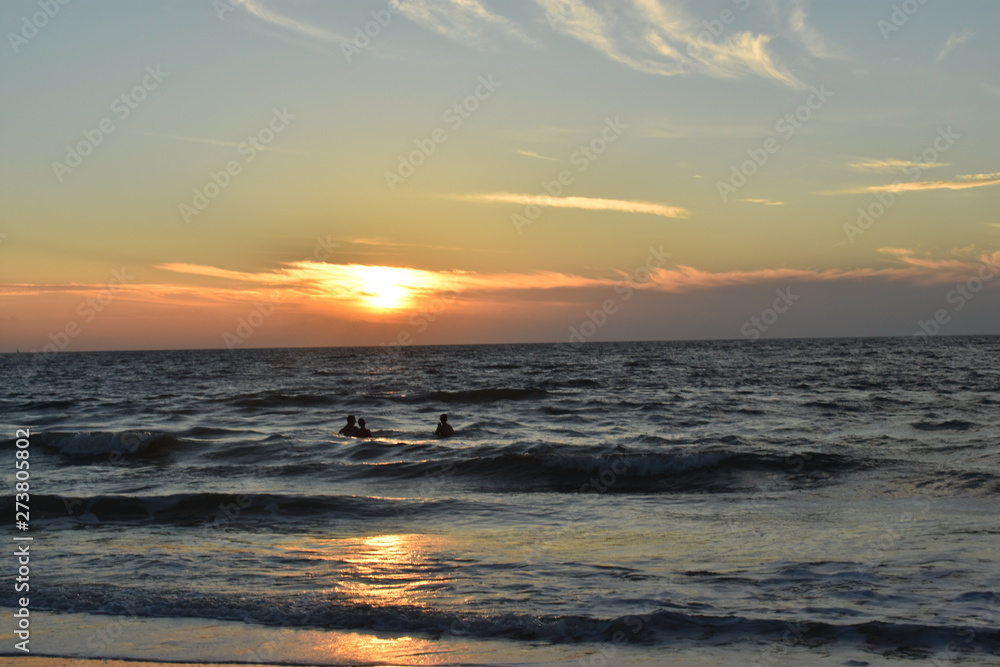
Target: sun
[384, 287]
[376, 289]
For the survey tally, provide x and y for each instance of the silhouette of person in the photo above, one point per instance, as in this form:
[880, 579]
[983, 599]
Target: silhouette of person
[444, 429]
[349, 427]
[361, 431]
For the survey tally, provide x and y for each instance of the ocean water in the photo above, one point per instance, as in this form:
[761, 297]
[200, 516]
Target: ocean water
[836, 496]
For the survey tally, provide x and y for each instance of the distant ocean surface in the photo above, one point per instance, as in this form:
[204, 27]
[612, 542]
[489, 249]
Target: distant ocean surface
[823, 493]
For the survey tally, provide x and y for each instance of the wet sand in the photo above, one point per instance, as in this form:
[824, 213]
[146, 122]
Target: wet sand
[83, 640]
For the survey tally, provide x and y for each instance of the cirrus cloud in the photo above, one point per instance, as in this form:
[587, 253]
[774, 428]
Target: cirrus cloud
[584, 203]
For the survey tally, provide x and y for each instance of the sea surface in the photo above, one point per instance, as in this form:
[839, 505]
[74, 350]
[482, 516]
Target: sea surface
[828, 495]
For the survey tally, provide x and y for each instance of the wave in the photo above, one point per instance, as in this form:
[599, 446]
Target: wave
[624, 472]
[113, 445]
[843, 406]
[326, 610]
[489, 395]
[215, 508]
[949, 425]
[209, 431]
[957, 480]
[276, 399]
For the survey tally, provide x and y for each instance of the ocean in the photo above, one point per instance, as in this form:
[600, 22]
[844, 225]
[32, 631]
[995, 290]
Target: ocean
[773, 501]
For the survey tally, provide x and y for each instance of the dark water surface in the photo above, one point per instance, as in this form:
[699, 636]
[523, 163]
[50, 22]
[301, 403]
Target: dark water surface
[839, 492]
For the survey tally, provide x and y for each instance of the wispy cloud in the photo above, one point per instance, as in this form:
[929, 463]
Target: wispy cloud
[765, 202]
[534, 155]
[334, 289]
[261, 11]
[211, 142]
[964, 262]
[225, 274]
[585, 203]
[961, 183]
[815, 43]
[893, 166]
[980, 177]
[954, 39]
[348, 281]
[647, 36]
[465, 21]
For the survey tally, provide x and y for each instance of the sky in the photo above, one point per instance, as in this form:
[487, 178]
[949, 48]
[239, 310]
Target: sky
[265, 173]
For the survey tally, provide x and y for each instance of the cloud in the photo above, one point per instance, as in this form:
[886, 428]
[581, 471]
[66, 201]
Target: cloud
[346, 292]
[348, 281]
[918, 186]
[954, 40]
[646, 36]
[585, 203]
[765, 202]
[213, 272]
[534, 155]
[465, 21]
[894, 166]
[963, 182]
[262, 12]
[817, 45]
[955, 269]
[212, 142]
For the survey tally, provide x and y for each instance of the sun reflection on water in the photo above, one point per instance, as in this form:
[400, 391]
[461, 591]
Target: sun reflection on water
[390, 570]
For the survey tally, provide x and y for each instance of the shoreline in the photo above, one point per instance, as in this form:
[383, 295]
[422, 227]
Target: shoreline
[88, 640]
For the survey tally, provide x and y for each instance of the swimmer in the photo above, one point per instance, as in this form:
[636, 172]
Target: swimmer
[444, 429]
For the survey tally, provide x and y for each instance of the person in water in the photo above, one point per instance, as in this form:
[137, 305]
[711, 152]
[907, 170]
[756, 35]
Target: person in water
[350, 428]
[444, 429]
[361, 431]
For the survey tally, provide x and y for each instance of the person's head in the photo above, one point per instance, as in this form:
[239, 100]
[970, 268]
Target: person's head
[350, 419]
[444, 419]
[361, 422]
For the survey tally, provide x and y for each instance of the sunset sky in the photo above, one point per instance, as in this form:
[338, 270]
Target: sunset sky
[256, 173]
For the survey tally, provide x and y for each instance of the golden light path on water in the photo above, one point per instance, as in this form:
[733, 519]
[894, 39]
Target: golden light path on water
[397, 570]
